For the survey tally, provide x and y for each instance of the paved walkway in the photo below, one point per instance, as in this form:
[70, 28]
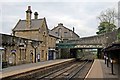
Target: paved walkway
[100, 70]
[27, 67]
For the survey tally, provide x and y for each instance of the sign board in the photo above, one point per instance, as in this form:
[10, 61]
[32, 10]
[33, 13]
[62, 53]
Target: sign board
[13, 51]
[64, 45]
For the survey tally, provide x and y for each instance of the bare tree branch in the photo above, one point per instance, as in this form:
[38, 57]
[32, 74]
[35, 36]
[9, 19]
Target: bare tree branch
[108, 15]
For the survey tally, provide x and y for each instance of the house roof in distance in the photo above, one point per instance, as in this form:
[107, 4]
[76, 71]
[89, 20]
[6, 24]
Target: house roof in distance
[61, 25]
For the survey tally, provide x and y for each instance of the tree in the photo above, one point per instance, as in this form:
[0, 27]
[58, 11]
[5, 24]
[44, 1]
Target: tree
[107, 19]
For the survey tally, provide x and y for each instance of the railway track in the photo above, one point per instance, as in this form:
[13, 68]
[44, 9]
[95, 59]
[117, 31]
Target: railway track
[58, 71]
[33, 74]
[70, 72]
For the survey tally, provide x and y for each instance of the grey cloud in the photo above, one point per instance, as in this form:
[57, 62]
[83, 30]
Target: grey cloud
[81, 15]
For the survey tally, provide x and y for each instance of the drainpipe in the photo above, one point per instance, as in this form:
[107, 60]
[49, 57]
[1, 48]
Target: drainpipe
[35, 55]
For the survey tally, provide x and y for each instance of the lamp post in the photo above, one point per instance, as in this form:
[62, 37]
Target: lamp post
[107, 61]
[105, 58]
[111, 65]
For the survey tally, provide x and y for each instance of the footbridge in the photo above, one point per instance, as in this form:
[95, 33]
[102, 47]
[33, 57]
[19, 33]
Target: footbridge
[97, 41]
[70, 47]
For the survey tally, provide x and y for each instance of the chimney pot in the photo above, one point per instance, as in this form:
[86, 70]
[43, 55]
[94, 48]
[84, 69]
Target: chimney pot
[36, 15]
[73, 29]
[29, 7]
[29, 10]
[60, 24]
[28, 16]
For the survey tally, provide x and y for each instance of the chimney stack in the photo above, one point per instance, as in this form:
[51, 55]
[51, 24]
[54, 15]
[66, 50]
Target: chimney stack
[35, 15]
[60, 24]
[28, 16]
[73, 29]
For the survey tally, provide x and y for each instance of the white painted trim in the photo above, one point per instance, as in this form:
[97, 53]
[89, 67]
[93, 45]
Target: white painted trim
[90, 70]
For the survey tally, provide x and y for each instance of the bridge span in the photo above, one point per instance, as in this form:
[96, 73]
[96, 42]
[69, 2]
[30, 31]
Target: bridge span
[97, 41]
[92, 42]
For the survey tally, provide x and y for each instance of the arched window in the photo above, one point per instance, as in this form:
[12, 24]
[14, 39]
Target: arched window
[59, 32]
[12, 59]
[31, 57]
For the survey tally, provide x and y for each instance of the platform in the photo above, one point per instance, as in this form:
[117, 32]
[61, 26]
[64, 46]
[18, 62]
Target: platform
[100, 70]
[32, 66]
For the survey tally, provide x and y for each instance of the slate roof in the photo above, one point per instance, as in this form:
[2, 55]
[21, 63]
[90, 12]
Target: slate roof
[65, 28]
[51, 33]
[35, 24]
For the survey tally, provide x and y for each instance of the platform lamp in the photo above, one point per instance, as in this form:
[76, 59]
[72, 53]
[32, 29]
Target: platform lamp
[107, 44]
[35, 44]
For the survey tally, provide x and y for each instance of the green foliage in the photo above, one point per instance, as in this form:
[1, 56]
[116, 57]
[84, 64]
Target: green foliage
[65, 53]
[118, 36]
[79, 54]
[107, 20]
[105, 27]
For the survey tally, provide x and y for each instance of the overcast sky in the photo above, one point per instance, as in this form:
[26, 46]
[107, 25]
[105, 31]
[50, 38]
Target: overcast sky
[82, 15]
